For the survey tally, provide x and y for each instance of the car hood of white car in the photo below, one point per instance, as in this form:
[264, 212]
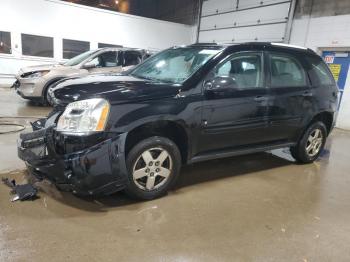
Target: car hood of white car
[36, 68]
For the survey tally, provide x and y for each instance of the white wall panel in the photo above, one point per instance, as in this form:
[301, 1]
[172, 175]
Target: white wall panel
[252, 3]
[60, 20]
[328, 33]
[211, 7]
[217, 6]
[269, 14]
[273, 33]
[235, 21]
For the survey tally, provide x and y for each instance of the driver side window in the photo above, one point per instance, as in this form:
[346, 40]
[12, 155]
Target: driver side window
[107, 59]
[244, 69]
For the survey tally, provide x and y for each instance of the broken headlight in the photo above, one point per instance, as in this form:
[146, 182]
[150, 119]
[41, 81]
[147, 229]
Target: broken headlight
[84, 117]
[36, 74]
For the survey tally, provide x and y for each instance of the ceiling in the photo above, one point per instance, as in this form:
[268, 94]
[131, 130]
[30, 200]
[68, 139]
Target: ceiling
[180, 11]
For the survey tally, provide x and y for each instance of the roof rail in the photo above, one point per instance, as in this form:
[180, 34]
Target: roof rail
[291, 46]
[205, 44]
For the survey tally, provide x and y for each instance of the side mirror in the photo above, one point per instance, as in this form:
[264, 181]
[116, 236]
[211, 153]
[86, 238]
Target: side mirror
[88, 65]
[220, 85]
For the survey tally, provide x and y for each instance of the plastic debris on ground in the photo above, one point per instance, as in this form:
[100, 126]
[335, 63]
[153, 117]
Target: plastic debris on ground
[21, 192]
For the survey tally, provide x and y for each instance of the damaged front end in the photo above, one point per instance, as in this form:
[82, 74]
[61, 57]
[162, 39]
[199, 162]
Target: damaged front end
[85, 165]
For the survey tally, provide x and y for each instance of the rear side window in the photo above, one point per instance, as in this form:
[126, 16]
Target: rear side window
[109, 59]
[320, 72]
[286, 71]
[132, 58]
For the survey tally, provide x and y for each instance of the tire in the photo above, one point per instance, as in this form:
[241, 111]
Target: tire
[153, 167]
[311, 144]
[45, 100]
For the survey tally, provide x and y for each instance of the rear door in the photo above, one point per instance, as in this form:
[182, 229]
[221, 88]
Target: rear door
[290, 96]
[131, 59]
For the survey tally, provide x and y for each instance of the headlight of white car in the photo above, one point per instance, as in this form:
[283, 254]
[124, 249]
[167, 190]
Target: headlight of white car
[37, 74]
[84, 117]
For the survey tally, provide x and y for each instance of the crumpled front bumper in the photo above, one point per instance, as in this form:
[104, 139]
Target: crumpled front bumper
[29, 88]
[97, 169]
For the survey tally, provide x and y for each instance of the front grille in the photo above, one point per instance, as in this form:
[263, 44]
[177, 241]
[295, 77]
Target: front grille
[33, 138]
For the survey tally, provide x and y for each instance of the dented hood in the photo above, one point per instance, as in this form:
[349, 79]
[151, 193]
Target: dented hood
[36, 68]
[114, 88]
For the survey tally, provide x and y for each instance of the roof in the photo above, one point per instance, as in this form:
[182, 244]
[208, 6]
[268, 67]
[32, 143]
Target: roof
[120, 49]
[259, 45]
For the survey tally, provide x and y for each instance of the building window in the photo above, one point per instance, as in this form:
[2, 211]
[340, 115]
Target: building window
[5, 42]
[34, 45]
[72, 48]
[102, 45]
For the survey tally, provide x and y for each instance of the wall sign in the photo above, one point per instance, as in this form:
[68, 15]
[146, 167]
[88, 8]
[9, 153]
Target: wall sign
[338, 63]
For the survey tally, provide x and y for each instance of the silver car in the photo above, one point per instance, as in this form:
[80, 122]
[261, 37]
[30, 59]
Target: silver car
[33, 82]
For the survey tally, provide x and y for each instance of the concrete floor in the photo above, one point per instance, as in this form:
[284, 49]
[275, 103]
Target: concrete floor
[260, 207]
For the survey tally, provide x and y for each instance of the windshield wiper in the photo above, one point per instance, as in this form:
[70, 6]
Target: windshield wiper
[165, 80]
[142, 77]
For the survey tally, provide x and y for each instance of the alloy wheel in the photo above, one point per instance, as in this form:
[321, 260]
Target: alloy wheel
[152, 169]
[314, 142]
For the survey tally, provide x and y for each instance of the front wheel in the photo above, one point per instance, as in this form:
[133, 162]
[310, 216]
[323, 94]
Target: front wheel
[153, 166]
[311, 143]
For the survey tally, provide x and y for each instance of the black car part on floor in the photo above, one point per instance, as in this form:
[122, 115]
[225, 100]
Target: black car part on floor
[22, 192]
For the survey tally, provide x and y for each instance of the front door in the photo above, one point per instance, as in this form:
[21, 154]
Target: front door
[106, 62]
[235, 104]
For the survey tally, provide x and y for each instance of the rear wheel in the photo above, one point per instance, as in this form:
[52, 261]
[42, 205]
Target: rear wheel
[153, 166]
[311, 143]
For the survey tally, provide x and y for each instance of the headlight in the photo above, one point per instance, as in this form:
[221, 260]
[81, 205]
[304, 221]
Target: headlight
[84, 117]
[36, 74]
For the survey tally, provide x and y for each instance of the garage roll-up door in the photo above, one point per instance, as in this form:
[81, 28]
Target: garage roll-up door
[237, 21]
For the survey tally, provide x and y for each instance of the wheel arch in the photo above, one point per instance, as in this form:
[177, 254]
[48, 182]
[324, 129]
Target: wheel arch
[49, 83]
[173, 130]
[325, 117]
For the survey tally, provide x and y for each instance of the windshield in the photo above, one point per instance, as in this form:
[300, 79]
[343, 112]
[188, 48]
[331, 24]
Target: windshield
[174, 65]
[79, 58]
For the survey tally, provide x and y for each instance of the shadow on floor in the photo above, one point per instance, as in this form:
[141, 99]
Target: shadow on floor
[190, 175]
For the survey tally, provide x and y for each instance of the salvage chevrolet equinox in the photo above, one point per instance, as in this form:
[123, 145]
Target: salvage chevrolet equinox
[183, 105]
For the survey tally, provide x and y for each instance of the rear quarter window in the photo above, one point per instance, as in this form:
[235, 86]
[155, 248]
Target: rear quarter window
[320, 73]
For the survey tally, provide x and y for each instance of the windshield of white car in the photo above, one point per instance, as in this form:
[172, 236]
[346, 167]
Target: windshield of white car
[79, 58]
[174, 65]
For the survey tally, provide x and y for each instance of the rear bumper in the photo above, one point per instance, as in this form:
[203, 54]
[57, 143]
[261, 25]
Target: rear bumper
[99, 169]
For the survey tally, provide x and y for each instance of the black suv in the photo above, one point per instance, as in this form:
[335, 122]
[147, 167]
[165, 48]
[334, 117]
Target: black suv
[183, 105]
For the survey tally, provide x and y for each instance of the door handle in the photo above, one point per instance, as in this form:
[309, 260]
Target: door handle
[307, 93]
[260, 98]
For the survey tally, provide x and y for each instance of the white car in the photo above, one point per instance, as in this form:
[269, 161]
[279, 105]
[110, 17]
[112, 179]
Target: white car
[33, 82]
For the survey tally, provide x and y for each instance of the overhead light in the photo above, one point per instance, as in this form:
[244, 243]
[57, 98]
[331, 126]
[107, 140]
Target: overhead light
[116, 2]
